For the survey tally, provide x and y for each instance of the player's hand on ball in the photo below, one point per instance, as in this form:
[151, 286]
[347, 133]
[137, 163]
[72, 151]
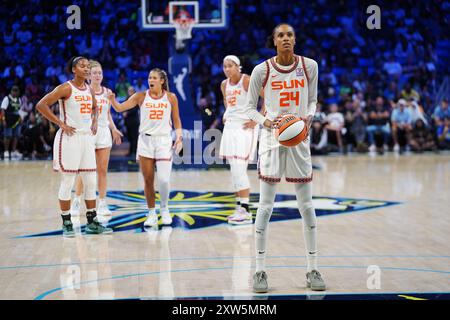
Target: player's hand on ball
[117, 136]
[268, 124]
[276, 121]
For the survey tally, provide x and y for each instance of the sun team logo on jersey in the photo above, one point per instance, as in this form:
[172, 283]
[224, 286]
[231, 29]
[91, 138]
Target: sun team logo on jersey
[299, 72]
[195, 210]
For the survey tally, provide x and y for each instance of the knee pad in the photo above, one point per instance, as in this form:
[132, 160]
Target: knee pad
[163, 171]
[262, 219]
[90, 185]
[241, 182]
[65, 188]
[308, 214]
[163, 180]
[239, 175]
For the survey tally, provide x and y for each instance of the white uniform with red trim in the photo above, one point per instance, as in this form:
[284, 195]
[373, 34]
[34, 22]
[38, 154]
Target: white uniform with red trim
[155, 140]
[290, 89]
[103, 138]
[237, 143]
[75, 153]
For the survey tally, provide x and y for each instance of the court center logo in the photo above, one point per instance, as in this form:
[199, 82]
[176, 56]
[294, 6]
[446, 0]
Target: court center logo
[196, 210]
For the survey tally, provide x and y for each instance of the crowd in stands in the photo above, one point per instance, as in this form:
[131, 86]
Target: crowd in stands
[377, 88]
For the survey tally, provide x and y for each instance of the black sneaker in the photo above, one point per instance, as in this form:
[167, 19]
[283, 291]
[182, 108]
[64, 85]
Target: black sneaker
[97, 228]
[67, 229]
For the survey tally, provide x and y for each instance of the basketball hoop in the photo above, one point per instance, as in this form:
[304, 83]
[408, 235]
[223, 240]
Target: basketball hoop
[183, 28]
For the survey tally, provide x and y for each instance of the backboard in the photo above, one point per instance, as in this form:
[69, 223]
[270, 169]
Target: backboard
[160, 15]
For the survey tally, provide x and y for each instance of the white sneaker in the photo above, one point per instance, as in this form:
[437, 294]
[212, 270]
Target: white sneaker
[6, 155]
[103, 208]
[396, 148]
[75, 207]
[240, 216]
[372, 148]
[166, 217]
[16, 155]
[234, 214]
[152, 220]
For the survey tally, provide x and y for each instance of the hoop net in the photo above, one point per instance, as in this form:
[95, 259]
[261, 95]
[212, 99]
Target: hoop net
[183, 28]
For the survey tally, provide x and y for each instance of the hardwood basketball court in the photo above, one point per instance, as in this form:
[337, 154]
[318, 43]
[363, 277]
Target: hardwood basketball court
[387, 212]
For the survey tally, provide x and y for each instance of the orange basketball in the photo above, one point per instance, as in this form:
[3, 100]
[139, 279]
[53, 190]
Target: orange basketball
[290, 130]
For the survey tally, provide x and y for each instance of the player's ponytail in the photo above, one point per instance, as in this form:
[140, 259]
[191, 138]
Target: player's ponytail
[163, 75]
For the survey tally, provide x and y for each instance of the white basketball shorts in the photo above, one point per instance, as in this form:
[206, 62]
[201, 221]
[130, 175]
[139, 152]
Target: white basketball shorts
[238, 143]
[276, 160]
[155, 147]
[74, 153]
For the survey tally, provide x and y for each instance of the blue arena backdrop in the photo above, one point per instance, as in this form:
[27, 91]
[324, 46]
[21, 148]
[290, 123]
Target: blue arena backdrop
[409, 57]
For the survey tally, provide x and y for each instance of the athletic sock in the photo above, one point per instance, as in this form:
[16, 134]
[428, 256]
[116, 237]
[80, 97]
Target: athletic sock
[244, 204]
[151, 211]
[65, 215]
[311, 259]
[238, 202]
[90, 215]
[260, 263]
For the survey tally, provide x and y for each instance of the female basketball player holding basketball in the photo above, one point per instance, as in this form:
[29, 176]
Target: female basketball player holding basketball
[103, 142]
[74, 147]
[157, 106]
[239, 139]
[290, 85]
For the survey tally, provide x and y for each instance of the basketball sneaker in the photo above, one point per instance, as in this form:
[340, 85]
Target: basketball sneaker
[166, 217]
[314, 281]
[152, 220]
[240, 216]
[75, 206]
[260, 282]
[67, 229]
[16, 155]
[103, 208]
[97, 228]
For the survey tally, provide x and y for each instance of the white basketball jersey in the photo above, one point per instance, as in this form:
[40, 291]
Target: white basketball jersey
[103, 107]
[286, 89]
[236, 98]
[156, 115]
[77, 109]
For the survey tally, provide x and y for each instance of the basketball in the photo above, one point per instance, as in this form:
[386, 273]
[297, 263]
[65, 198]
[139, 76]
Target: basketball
[290, 130]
